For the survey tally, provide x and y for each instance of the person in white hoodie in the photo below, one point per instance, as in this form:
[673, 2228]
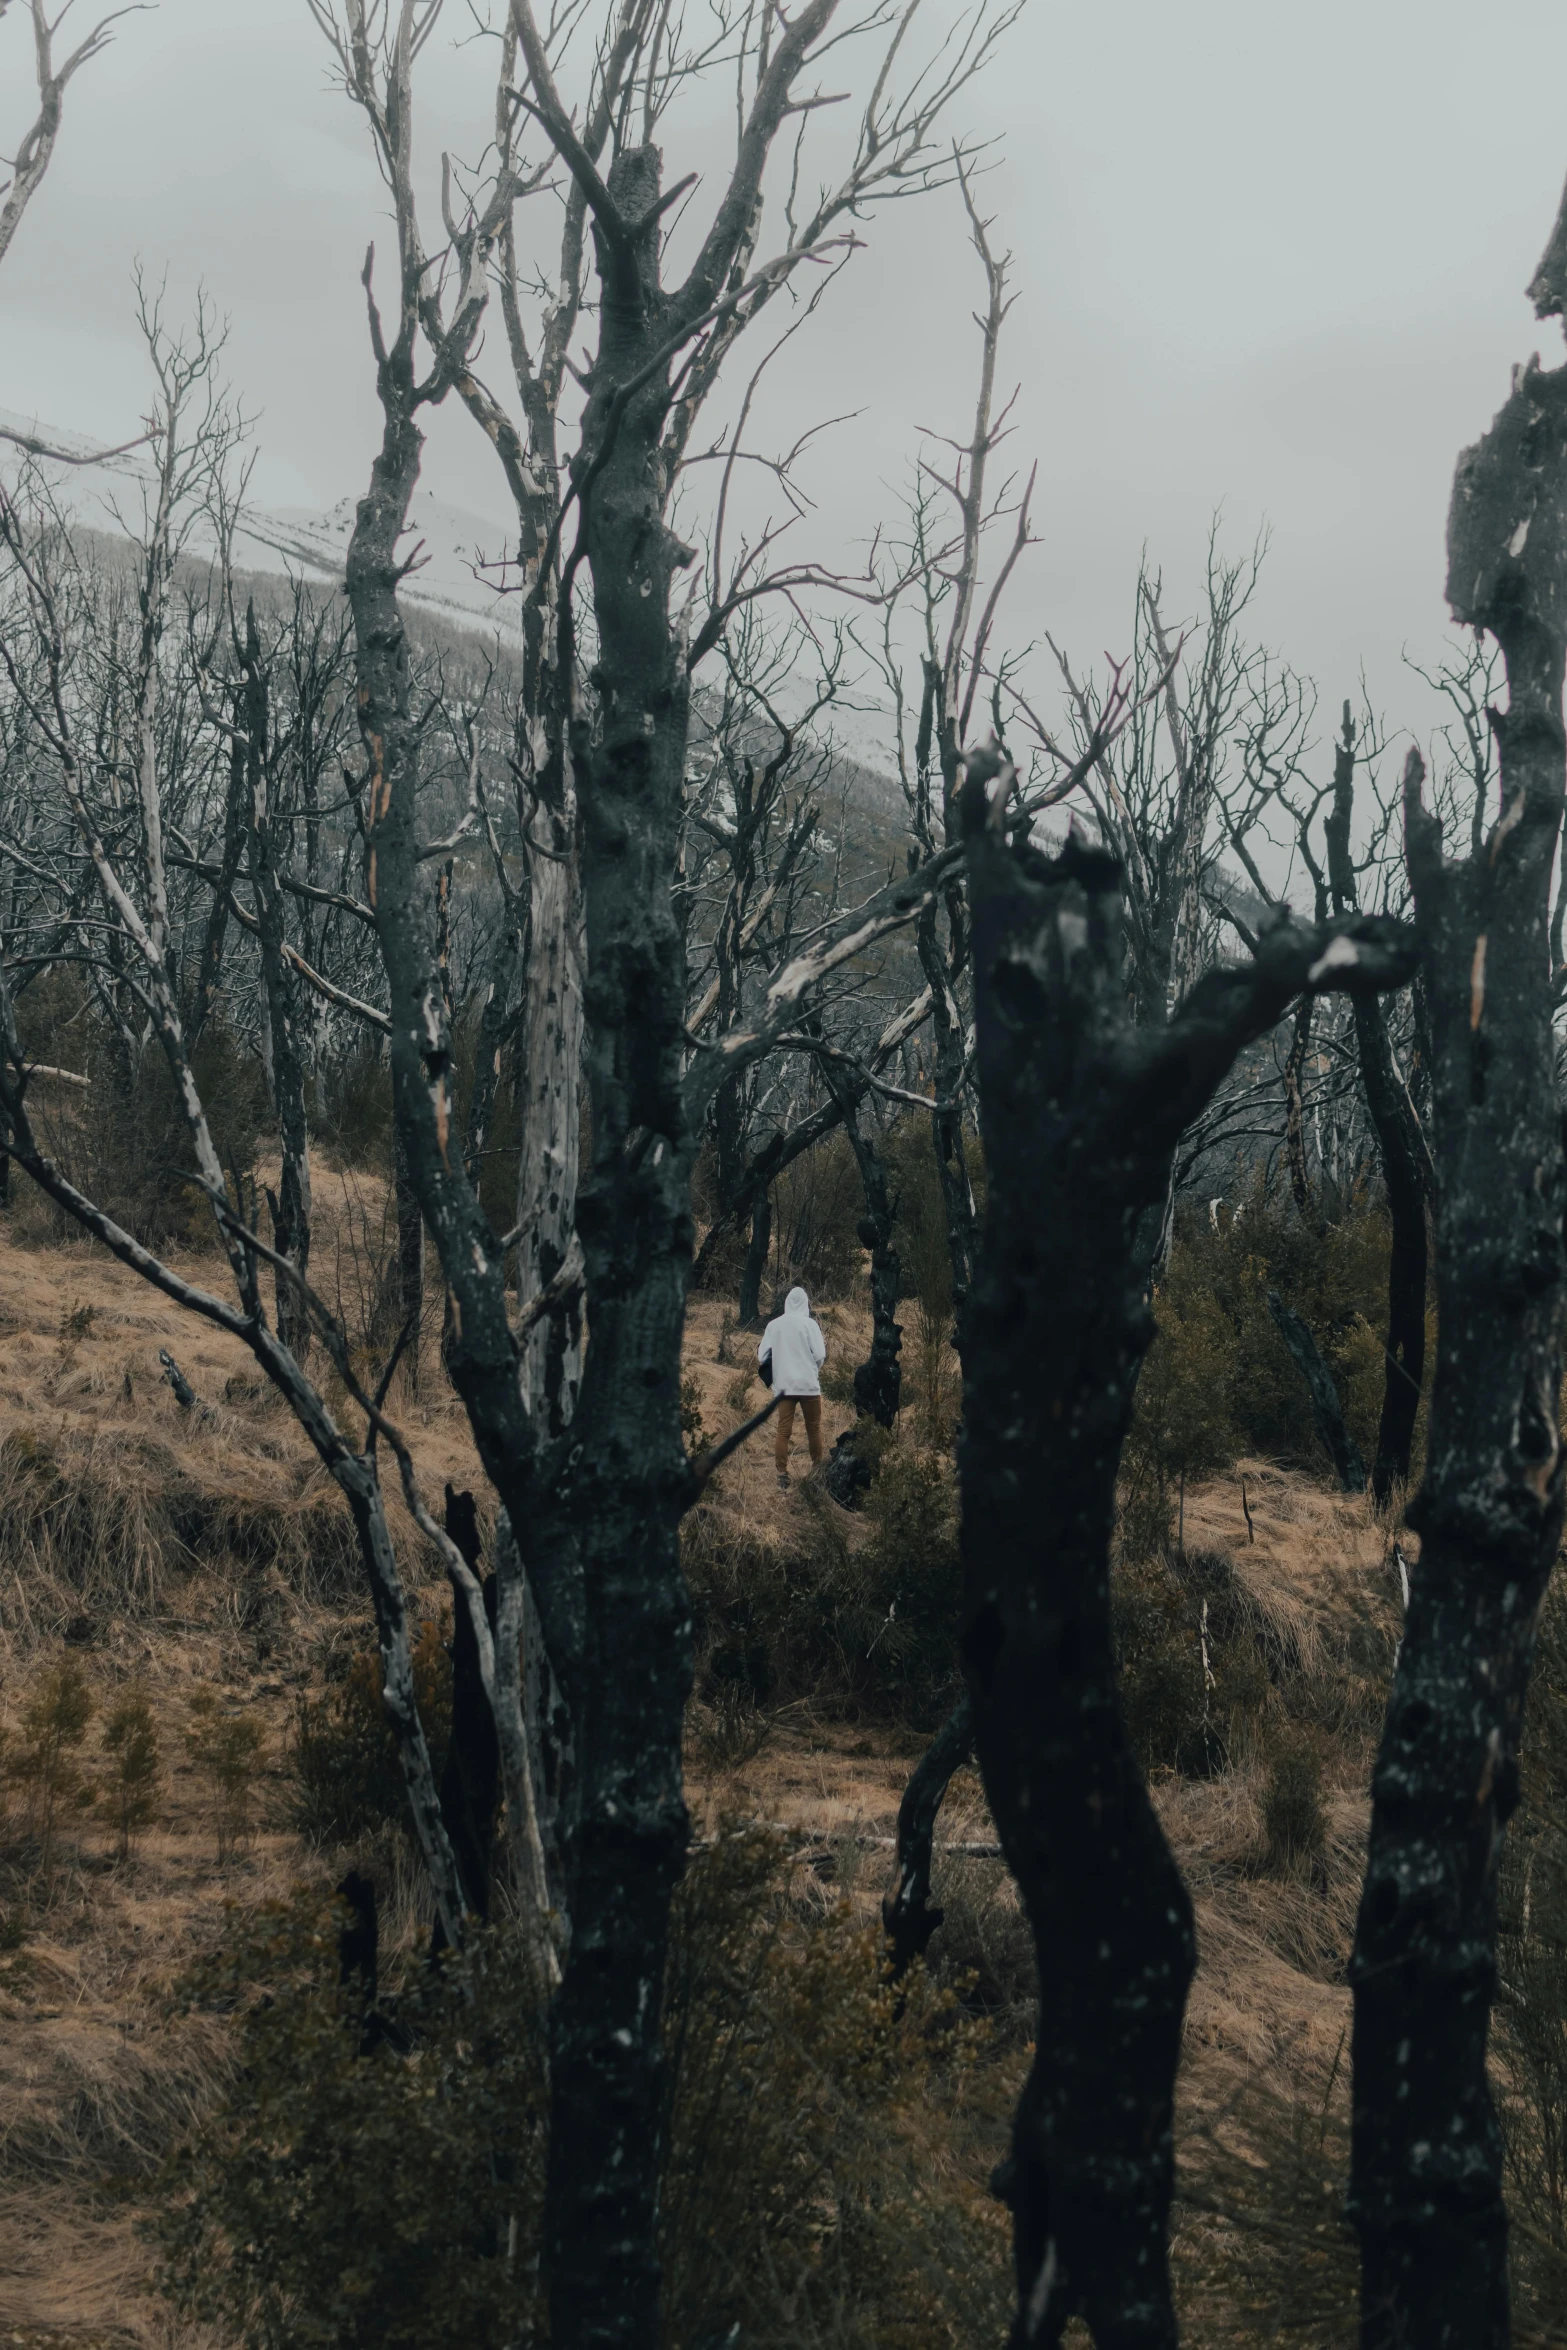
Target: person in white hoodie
[799, 1350]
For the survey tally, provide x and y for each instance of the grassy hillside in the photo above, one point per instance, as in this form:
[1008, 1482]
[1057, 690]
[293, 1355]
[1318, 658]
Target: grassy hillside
[195, 1560]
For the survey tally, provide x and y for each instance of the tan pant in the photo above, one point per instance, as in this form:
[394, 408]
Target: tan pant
[811, 1407]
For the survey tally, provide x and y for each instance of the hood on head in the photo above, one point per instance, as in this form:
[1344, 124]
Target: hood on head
[797, 1302]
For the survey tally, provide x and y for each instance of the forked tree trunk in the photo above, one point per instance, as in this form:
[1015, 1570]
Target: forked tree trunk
[1427, 2156]
[1080, 1114]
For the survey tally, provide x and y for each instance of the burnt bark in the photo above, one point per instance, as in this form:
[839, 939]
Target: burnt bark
[907, 1915]
[214, 937]
[283, 990]
[1080, 1112]
[410, 1251]
[1326, 1409]
[1427, 2159]
[1404, 1167]
[1295, 1110]
[878, 1381]
[634, 1220]
[754, 1270]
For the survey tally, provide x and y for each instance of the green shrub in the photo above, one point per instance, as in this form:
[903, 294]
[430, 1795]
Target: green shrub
[1165, 1701]
[1193, 1660]
[1218, 1380]
[347, 1777]
[817, 1206]
[894, 1602]
[333, 2200]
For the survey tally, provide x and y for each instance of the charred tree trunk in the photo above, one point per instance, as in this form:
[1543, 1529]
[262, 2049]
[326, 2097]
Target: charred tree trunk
[878, 1381]
[754, 1270]
[1295, 1109]
[634, 1218]
[551, 1088]
[470, 1782]
[410, 1251]
[941, 965]
[1080, 1114]
[283, 989]
[1427, 2157]
[1403, 1153]
[1326, 1409]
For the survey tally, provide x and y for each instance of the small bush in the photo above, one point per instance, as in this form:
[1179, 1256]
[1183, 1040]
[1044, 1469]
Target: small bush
[334, 2200]
[1193, 1659]
[817, 1205]
[984, 1948]
[795, 1609]
[346, 1772]
[1293, 1820]
[895, 1600]
[1165, 1701]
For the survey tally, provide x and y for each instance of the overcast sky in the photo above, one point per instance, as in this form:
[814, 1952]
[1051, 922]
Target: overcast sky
[1268, 259]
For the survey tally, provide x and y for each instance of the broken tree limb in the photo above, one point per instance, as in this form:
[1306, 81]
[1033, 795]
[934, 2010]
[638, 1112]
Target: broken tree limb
[184, 1394]
[906, 1913]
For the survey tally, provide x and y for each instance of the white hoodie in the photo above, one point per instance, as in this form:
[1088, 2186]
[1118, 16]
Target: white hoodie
[797, 1347]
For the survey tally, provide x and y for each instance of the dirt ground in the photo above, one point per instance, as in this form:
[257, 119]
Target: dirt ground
[202, 1554]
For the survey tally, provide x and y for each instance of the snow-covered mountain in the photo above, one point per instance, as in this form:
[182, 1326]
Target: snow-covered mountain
[461, 577]
[462, 555]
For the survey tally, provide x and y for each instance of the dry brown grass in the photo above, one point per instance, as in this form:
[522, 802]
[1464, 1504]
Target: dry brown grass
[111, 1495]
[196, 1557]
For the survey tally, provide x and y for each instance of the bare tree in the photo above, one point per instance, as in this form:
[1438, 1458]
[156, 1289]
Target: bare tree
[1082, 1109]
[120, 833]
[32, 157]
[1427, 2162]
[595, 1509]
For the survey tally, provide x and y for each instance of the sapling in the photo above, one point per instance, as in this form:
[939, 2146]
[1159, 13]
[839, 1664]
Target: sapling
[224, 1746]
[130, 1740]
[54, 1723]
